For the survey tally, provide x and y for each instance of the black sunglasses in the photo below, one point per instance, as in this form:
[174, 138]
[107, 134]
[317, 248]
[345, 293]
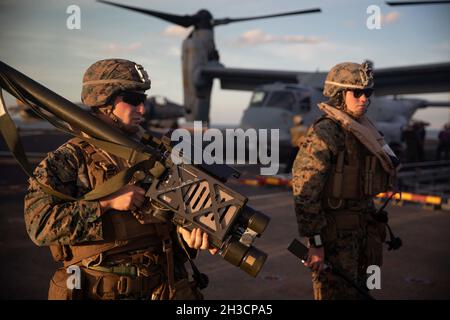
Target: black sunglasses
[133, 98]
[359, 92]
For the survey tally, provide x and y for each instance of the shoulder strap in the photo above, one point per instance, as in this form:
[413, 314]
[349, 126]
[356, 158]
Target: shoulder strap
[13, 141]
[105, 167]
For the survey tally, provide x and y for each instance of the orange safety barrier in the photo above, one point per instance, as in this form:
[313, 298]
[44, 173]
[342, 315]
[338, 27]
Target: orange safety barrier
[403, 196]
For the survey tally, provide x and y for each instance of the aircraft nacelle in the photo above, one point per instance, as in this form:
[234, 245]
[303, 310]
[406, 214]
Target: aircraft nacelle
[198, 50]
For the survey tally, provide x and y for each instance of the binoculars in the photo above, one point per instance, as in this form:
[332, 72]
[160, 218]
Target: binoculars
[238, 249]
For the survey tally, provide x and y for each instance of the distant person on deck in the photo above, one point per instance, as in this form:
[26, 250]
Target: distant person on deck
[444, 143]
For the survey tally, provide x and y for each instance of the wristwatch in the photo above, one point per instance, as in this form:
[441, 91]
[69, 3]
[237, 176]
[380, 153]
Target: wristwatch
[315, 241]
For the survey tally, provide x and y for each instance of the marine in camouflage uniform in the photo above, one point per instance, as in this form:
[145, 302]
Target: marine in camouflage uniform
[335, 177]
[120, 257]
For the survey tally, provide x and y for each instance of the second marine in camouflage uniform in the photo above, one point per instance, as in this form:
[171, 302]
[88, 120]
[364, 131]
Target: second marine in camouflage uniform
[335, 176]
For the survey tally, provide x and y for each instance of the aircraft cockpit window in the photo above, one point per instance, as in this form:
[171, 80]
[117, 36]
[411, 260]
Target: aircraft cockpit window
[305, 104]
[258, 99]
[281, 99]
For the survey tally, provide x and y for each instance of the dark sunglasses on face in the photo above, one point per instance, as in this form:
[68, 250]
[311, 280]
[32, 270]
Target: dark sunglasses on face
[359, 92]
[133, 98]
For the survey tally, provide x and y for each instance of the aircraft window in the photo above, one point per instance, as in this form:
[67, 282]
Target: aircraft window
[258, 99]
[282, 99]
[305, 104]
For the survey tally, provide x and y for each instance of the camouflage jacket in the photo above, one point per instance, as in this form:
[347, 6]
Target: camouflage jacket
[310, 172]
[50, 220]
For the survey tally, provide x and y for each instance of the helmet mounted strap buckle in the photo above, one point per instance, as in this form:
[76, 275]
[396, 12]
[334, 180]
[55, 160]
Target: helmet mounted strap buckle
[141, 72]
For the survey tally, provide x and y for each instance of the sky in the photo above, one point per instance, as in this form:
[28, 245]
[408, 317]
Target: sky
[36, 41]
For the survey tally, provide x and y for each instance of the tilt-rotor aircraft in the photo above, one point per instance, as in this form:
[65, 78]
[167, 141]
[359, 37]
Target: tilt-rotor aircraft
[278, 95]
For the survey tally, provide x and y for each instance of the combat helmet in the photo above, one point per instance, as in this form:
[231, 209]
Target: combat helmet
[348, 75]
[106, 78]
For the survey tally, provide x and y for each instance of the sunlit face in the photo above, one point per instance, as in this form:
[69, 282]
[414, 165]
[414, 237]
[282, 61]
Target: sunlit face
[356, 107]
[129, 114]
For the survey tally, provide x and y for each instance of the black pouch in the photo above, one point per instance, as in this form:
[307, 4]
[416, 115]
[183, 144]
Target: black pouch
[187, 290]
[376, 236]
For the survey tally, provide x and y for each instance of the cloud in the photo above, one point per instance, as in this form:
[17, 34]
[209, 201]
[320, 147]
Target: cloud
[307, 53]
[174, 51]
[256, 36]
[305, 58]
[391, 17]
[115, 48]
[176, 31]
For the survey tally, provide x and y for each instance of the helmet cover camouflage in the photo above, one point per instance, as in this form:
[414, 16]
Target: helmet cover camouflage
[105, 78]
[348, 75]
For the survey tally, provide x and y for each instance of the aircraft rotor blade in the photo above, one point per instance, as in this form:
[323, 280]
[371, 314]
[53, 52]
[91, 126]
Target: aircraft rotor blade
[184, 21]
[409, 3]
[217, 22]
[438, 104]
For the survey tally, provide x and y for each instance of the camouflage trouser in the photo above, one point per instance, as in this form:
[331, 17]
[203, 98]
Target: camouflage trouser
[347, 252]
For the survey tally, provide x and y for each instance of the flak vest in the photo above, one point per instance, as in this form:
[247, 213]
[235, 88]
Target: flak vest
[356, 175]
[121, 230]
